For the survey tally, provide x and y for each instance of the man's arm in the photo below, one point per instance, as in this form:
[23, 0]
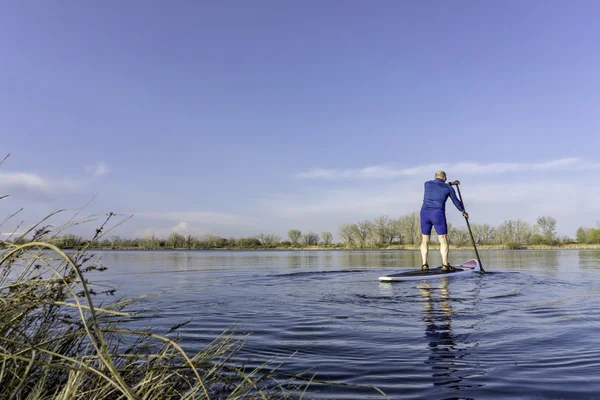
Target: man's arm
[455, 200]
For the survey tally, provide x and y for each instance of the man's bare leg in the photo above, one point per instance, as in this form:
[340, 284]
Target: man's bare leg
[444, 248]
[424, 248]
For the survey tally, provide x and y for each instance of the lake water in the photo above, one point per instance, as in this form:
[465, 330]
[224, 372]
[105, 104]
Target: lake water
[528, 329]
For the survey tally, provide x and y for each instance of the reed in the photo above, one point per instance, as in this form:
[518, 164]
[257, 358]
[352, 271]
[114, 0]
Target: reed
[55, 343]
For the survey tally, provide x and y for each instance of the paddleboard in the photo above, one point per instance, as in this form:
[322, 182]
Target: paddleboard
[465, 268]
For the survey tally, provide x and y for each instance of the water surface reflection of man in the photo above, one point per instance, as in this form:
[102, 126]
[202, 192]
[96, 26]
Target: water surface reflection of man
[438, 330]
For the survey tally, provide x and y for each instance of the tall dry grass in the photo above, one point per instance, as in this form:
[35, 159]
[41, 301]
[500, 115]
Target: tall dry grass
[55, 343]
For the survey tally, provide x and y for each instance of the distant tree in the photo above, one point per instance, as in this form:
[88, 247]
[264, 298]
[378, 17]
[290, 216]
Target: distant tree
[195, 243]
[176, 241]
[593, 236]
[381, 230]
[394, 233]
[362, 232]
[538, 239]
[347, 234]
[294, 236]
[548, 227]
[327, 238]
[582, 234]
[69, 241]
[523, 232]
[409, 227]
[515, 234]
[115, 242]
[504, 233]
[482, 233]
[216, 242]
[263, 238]
[149, 243]
[311, 239]
[244, 243]
[131, 243]
[458, 236]
[565, 239]
[268, 240]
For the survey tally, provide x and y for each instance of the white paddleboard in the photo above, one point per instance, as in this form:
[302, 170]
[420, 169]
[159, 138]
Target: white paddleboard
[465, 268]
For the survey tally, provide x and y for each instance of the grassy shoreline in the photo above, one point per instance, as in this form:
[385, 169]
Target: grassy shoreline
[570, 246]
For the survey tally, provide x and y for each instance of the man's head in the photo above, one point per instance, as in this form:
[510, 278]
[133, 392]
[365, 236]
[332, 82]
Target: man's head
[440, 175]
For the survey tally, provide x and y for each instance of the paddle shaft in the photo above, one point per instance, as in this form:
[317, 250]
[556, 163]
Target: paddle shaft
[470, 232]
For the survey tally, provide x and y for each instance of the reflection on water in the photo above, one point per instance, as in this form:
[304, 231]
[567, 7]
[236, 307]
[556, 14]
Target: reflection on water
[448, 356]
[438, 330]
[299, 259]
[589, 259]
[518, 259]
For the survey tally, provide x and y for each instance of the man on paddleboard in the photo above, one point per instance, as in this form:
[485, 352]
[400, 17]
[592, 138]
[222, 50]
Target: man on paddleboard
[433, 214]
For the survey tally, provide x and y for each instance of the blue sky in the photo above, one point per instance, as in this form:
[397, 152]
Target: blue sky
[237, 118]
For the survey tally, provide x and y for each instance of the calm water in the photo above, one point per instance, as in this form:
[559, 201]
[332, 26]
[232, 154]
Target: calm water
[528, 329]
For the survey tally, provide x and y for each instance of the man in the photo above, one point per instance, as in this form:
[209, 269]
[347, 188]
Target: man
[433, 213]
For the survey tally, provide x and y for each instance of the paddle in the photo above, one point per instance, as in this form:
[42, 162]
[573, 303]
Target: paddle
[457, 183]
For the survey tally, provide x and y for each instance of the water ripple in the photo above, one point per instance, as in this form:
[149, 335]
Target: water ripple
[527, 329]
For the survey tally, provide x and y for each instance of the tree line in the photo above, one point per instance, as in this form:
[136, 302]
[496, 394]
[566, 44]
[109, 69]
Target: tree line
[381, 232]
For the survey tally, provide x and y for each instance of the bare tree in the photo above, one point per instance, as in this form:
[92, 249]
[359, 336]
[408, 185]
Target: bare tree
[523, 232]
[395, 235]
[67, 241]
[505, 233]
[482, 233]
[176, 241]
[267, 239]
[311, 239]
[347, 232]
[453, 234]
[150, 243]
[362, 231]
[409, 226]
[381, 229]
[327, 238]
[516, 232]
[462, 236]
[115, 241]
[294, 236]
[385, 230]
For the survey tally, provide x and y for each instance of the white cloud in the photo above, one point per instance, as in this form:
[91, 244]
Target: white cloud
[351, 201]
[26, 180]
[99, 169]
[35, 184]
[385, 172]
[182, 228]
[566, 163]
[200, 217]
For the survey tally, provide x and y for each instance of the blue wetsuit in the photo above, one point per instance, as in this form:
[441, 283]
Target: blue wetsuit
[433, 210]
